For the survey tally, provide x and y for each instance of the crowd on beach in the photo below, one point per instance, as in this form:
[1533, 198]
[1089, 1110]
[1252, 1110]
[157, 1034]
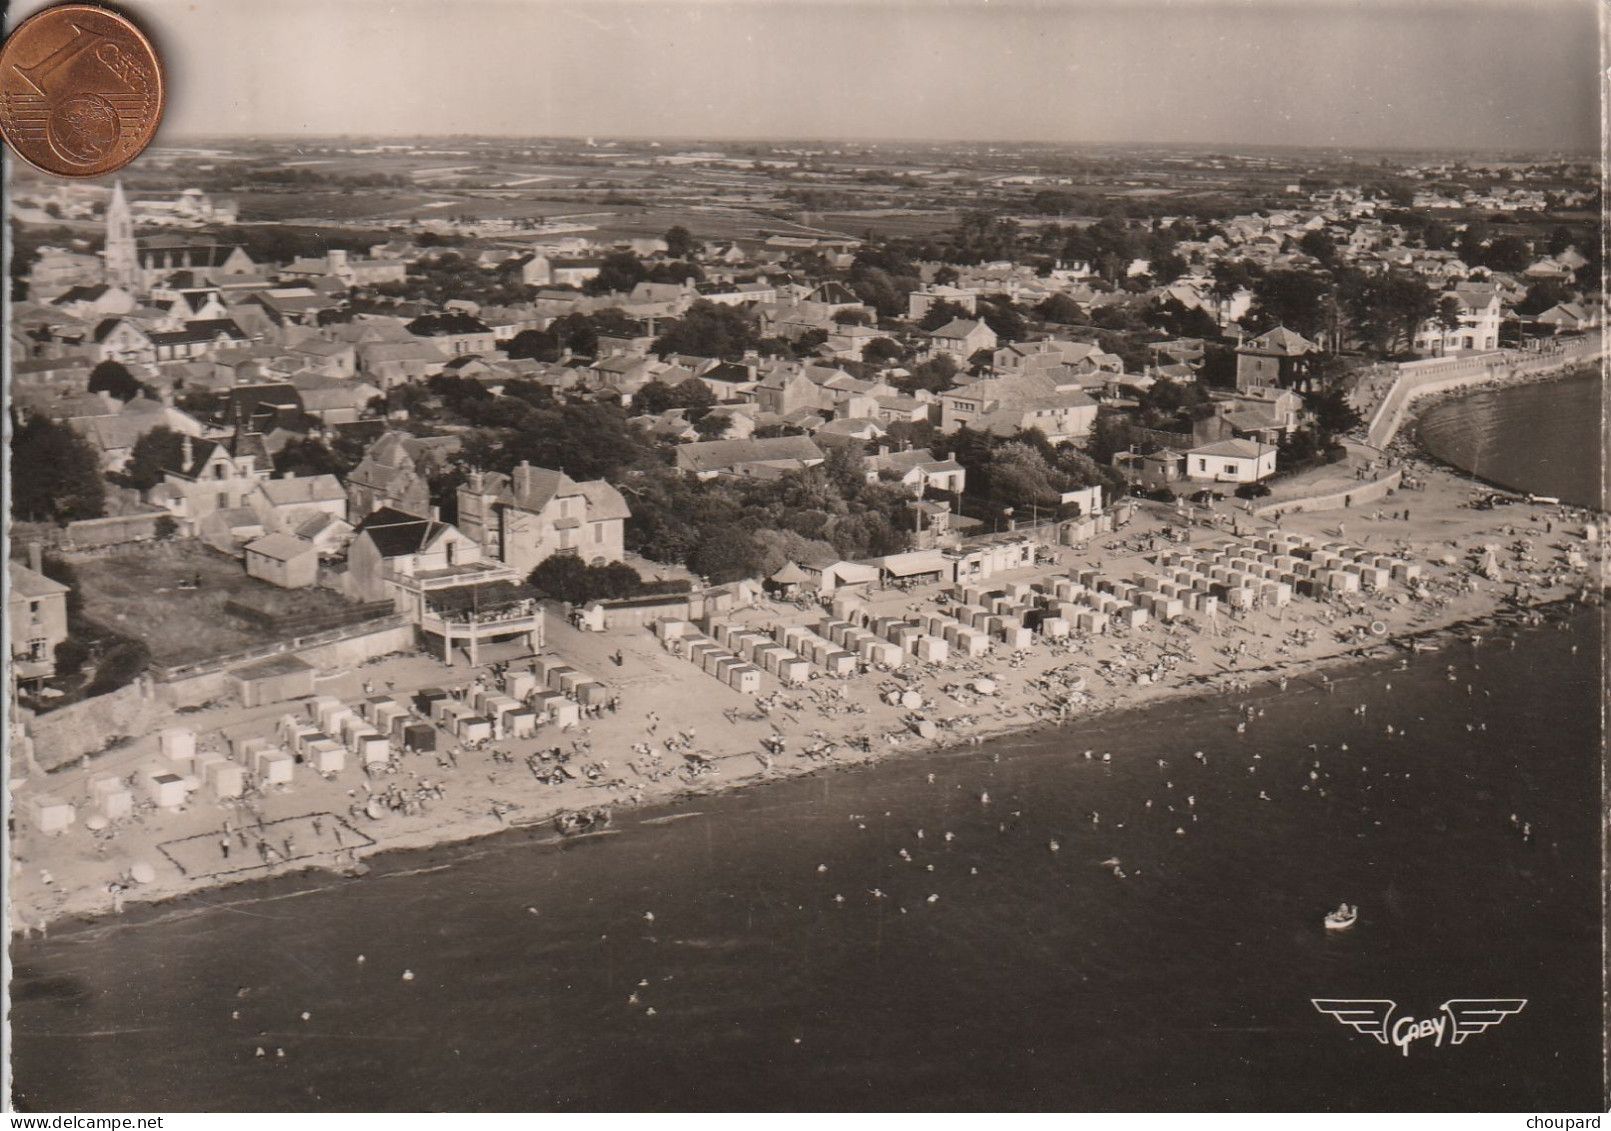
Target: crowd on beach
[683, 732]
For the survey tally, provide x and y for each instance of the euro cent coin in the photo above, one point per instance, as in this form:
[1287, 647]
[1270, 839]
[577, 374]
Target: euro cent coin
[81, 91]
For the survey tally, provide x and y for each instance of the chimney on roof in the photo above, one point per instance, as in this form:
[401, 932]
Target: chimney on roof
[520, 478]
[436, 514]
[187, 451]
[36, 557]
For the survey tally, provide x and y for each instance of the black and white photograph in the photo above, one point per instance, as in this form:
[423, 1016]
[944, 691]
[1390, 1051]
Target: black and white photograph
[724, 556]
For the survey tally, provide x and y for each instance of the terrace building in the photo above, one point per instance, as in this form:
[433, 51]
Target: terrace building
[36, 612]
[533, 514]
[437, 576]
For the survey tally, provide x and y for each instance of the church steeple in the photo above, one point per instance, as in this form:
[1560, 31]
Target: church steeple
[120, 257]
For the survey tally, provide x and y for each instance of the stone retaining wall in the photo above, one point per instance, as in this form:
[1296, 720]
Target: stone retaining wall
[1368, 491]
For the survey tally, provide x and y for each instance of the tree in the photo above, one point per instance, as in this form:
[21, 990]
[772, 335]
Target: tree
[620, 271]
[655, 397]
[1542, 295]
[1002, 316]
[1333, 413]
[309, 456]
[1178, 320]
[1060, 308]
[882, 350]
[1294, 299]
[1109, 436]
[538, 345]
[1232, 275]
[713, 426]
[1448, 316]
[707, 329]
[680, 243]
[732, 557]
[567, 578]
[114, 377]
[940, 313]
[579, 333]
[119, 667]
[1387, 310]
[936, 375]
[55, 473]
[157, 450]
[1167, 267]
[678, 272]
[852, 317]
[1319, 245]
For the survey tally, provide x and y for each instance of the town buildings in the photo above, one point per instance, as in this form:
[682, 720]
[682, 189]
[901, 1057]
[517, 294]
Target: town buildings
[534, 513]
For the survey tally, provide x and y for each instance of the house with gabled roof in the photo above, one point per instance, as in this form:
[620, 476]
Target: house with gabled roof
[394, 473]
[389, 364]
[534, 513]
[1274, 358]
[754, 458]
[787, 388]
[284, 504]
[36, 608]
[1480, 309]
[1231, 461]
[101, 300]
[961, 338]
[122, 339]
[1567, 318]
[391, 544]
[1006, 405]
[205, 476]
[115, 434]
[918, 470]
[197, 339]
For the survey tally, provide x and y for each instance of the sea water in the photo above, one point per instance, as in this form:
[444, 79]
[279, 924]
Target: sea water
[702, 959]
[885, 939]
[1544, 438]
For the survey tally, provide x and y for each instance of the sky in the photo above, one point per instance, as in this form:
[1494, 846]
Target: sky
[1488, 75]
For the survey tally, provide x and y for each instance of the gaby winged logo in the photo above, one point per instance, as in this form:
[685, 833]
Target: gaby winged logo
[1461, 1018]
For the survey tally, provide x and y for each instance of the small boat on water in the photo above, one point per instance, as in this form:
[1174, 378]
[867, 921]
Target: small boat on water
[1342, 918]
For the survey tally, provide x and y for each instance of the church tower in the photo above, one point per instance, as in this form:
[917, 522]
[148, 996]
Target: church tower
[121, 260]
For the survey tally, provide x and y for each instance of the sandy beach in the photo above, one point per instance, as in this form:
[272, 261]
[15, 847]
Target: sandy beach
[679, 732]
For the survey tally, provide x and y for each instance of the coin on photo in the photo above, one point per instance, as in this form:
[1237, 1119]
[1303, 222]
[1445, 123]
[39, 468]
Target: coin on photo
[81, 91]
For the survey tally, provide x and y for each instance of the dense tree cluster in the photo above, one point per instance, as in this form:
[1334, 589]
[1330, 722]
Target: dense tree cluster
[708, 329]
[568, 578]
[725, 530]
[55, 473]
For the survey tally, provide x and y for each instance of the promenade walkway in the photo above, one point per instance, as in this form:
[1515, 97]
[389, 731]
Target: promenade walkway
[1385, 392]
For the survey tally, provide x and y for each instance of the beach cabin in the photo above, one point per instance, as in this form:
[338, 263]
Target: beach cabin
[226, 780]
[162, 787]
[275, 767]
[327, 757]
[177, 743]
[50, 814]
[419, 737]
[745, 679]
[521, 723]
[111, 798]
[275, 679]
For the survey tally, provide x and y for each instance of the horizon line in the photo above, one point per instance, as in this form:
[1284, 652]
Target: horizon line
[1588, 153]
